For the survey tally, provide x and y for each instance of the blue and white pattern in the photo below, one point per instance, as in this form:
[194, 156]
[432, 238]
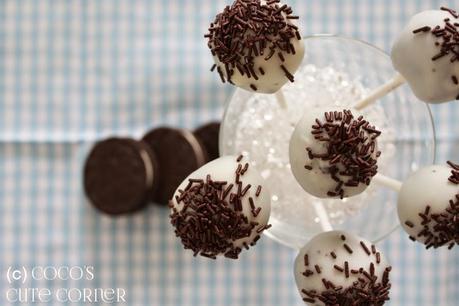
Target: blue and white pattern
[74, 71]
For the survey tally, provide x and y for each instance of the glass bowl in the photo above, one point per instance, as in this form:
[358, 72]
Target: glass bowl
[335, 71]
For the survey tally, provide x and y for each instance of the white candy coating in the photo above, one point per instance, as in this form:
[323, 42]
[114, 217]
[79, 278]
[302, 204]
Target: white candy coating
[427, 186]
[319, 253]
[274, 77]
[223, 169]
[317, 181]
[412, 56]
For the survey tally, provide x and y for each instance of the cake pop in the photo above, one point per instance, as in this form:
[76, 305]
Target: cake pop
[338, 268]
[256, 45]
[428, 206]
[426, 53]
[332, 153]
[221, 208]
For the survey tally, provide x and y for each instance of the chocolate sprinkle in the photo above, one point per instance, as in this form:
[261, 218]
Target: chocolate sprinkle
[447, 39]
[211, 218]
[247, 29]
[306, 260]
[365, 248]
[351, 144]
[451, 11]
[378, 258]
[257, 193]
[346, 269]
[317, 269]
[454, 178]
[423, 29]
[348, 248]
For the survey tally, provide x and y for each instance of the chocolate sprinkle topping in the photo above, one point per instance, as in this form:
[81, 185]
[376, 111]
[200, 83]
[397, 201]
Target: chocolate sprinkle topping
[454, 178]
[441, 229]
[210, 218]
[351, 149]
[447, 39]
[368, 290]
[248, 29]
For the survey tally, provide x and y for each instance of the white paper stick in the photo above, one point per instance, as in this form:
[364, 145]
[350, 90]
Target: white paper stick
[388, 182]
[381, 91]
[323, 216]
[280, 98]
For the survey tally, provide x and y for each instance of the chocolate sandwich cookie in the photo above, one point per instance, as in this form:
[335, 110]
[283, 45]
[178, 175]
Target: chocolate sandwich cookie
[178, 154]
[119, 175]
[208, 136]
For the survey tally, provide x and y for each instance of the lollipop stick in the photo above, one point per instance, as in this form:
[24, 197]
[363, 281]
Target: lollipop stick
[280, 98]
[381, 91]
[323, 216]
[388, 182]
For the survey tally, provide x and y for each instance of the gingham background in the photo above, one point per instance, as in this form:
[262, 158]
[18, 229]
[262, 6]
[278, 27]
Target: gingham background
[75, 71]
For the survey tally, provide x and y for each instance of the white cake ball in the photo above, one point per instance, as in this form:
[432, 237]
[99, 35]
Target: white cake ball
[428, 206]
[342, 167]
[260, 60]
[335, 266]
[221, 208]
[423, 56]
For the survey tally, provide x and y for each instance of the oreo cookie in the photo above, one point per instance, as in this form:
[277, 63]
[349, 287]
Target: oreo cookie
[208, 135]
[178, 153]
[119, 175]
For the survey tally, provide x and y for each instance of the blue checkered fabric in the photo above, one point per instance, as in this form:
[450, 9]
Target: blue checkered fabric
[75, 71]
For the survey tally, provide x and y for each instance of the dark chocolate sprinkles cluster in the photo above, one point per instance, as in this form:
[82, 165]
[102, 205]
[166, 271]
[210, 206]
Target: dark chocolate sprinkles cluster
[210, 216]
[454, 178]
[447, 39]
[366, 290]
[441, 229]
[351, 149]
[248, 29]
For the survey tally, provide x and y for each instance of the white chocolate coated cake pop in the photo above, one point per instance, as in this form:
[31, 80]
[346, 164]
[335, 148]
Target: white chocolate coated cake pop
[428, 206]
[426, 54]
[221, 208]
[256, 45]
[338, 268]
[333, 152]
